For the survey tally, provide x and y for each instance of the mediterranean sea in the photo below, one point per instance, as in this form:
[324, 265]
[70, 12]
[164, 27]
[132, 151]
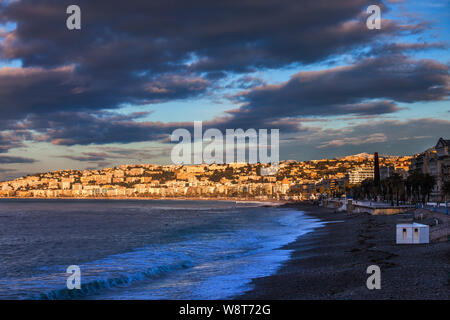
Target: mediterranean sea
[142, 249]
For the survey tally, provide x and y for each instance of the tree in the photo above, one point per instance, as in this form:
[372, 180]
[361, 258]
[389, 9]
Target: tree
[408, 189]
[414, 182]
[367, 188]
[446, 189]
[396, 185]
[427, 185]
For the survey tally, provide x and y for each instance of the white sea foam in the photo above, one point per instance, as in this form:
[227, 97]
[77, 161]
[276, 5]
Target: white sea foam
[224, 267]
[214, 255]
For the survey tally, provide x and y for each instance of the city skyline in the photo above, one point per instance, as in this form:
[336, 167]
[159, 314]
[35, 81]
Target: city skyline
[112, 92]
[292, 181]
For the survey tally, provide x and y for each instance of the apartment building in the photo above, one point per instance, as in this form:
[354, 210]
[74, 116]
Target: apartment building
[435, 162]
[360, 174]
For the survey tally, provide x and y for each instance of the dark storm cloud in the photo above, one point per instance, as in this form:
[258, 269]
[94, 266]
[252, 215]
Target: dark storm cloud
[157, 35]
[138, 52]
[11, 139]
[380, 49]
[10, 159]
[152, 51]
[368, 108]
[84, 128]
[70, 128]
[369, 88]
[348, 89]
[361, 89]
[36, 90]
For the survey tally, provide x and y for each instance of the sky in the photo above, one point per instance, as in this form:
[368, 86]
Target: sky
[113, 92]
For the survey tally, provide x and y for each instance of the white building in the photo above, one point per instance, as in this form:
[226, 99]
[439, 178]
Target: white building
[413, 233]
[358, 175]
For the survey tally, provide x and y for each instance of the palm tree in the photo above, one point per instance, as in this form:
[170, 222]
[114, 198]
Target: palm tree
[408, 189]
[427, 185]
[415, 182]
[384, 189]
[388, 190]
[394, 185]
[367, 188]
[397, 185]
[446, 190]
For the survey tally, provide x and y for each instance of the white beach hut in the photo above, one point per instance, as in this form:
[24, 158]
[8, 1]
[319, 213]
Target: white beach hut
[413, 233]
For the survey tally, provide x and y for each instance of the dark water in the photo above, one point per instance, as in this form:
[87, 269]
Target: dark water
[141, 249]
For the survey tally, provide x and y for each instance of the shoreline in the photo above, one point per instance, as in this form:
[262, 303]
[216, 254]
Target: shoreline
[271, 203]
[223, 199]
[331, 263]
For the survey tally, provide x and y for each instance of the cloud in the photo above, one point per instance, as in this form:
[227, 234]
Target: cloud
[70, 128]
[359, 89]
[247, 82]
[403, 47]
[395, 137]
[140, 52]
[85, 128]
[22, 90]
[161, 36]
[88, 157]
[11, 159]
[106, 154]
[10, 139]
[367, 89]
[373, 138]
[143, 52]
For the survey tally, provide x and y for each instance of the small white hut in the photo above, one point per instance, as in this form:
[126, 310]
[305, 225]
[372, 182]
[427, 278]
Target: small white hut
[413, 233]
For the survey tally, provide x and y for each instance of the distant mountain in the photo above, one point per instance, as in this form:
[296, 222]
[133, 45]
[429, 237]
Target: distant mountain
[363, 155]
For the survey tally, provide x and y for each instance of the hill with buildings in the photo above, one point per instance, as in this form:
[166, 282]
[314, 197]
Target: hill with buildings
[294, 180]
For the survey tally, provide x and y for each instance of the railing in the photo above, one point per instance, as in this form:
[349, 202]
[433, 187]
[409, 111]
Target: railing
[435, 208]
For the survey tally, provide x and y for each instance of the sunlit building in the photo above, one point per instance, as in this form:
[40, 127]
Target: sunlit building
[360, 174]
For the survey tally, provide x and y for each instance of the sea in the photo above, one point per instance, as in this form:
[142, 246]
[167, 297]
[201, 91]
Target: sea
[142, 249]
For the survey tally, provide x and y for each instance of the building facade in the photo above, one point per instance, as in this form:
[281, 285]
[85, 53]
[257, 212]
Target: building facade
[435, 162]
[360, 174]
